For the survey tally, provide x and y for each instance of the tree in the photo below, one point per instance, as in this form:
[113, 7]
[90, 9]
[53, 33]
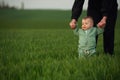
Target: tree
[22, 5]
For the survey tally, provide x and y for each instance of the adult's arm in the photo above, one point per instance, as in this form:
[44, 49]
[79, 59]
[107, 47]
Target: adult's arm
[108, 6]
[77, 9]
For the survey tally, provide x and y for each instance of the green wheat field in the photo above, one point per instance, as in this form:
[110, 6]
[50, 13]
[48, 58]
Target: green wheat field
[39, 45]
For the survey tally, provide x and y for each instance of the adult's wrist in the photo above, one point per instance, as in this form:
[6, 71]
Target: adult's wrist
[105, 17]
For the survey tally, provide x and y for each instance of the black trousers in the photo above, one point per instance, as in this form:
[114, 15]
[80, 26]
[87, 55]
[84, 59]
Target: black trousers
[108, 35]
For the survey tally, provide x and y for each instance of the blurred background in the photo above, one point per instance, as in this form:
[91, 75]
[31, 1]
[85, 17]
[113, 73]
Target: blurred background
[41, 4]
[36, 43]
[36, 13]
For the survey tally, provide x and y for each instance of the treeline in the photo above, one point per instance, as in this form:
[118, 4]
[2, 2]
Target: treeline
[4, 5]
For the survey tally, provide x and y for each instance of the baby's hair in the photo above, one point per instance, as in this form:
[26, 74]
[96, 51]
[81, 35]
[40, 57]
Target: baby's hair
[89, 17]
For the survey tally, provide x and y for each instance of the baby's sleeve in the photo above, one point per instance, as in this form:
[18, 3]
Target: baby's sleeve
[100, 30]
[76, 31]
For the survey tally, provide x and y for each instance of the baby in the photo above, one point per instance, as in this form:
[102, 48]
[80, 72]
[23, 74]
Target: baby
[87, 37]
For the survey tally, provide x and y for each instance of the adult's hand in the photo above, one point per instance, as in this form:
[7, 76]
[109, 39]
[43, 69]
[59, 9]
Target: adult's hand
[102, 23]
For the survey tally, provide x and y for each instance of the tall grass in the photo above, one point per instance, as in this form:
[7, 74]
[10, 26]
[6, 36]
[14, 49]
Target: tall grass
[39, 45]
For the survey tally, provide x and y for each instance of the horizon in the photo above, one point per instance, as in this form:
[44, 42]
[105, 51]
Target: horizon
[43, 4]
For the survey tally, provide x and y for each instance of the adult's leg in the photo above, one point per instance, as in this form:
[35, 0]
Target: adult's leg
[108, 35]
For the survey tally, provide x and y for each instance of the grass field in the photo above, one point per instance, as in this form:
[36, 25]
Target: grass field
[39, 45]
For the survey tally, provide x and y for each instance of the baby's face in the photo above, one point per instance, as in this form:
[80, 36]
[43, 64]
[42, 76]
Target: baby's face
[87, 24]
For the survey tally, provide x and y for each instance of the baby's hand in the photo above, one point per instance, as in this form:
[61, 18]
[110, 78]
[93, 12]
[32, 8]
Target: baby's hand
[101, 25]
[73, 24]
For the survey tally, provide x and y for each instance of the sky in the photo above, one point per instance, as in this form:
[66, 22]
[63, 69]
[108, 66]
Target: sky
[44, 4]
